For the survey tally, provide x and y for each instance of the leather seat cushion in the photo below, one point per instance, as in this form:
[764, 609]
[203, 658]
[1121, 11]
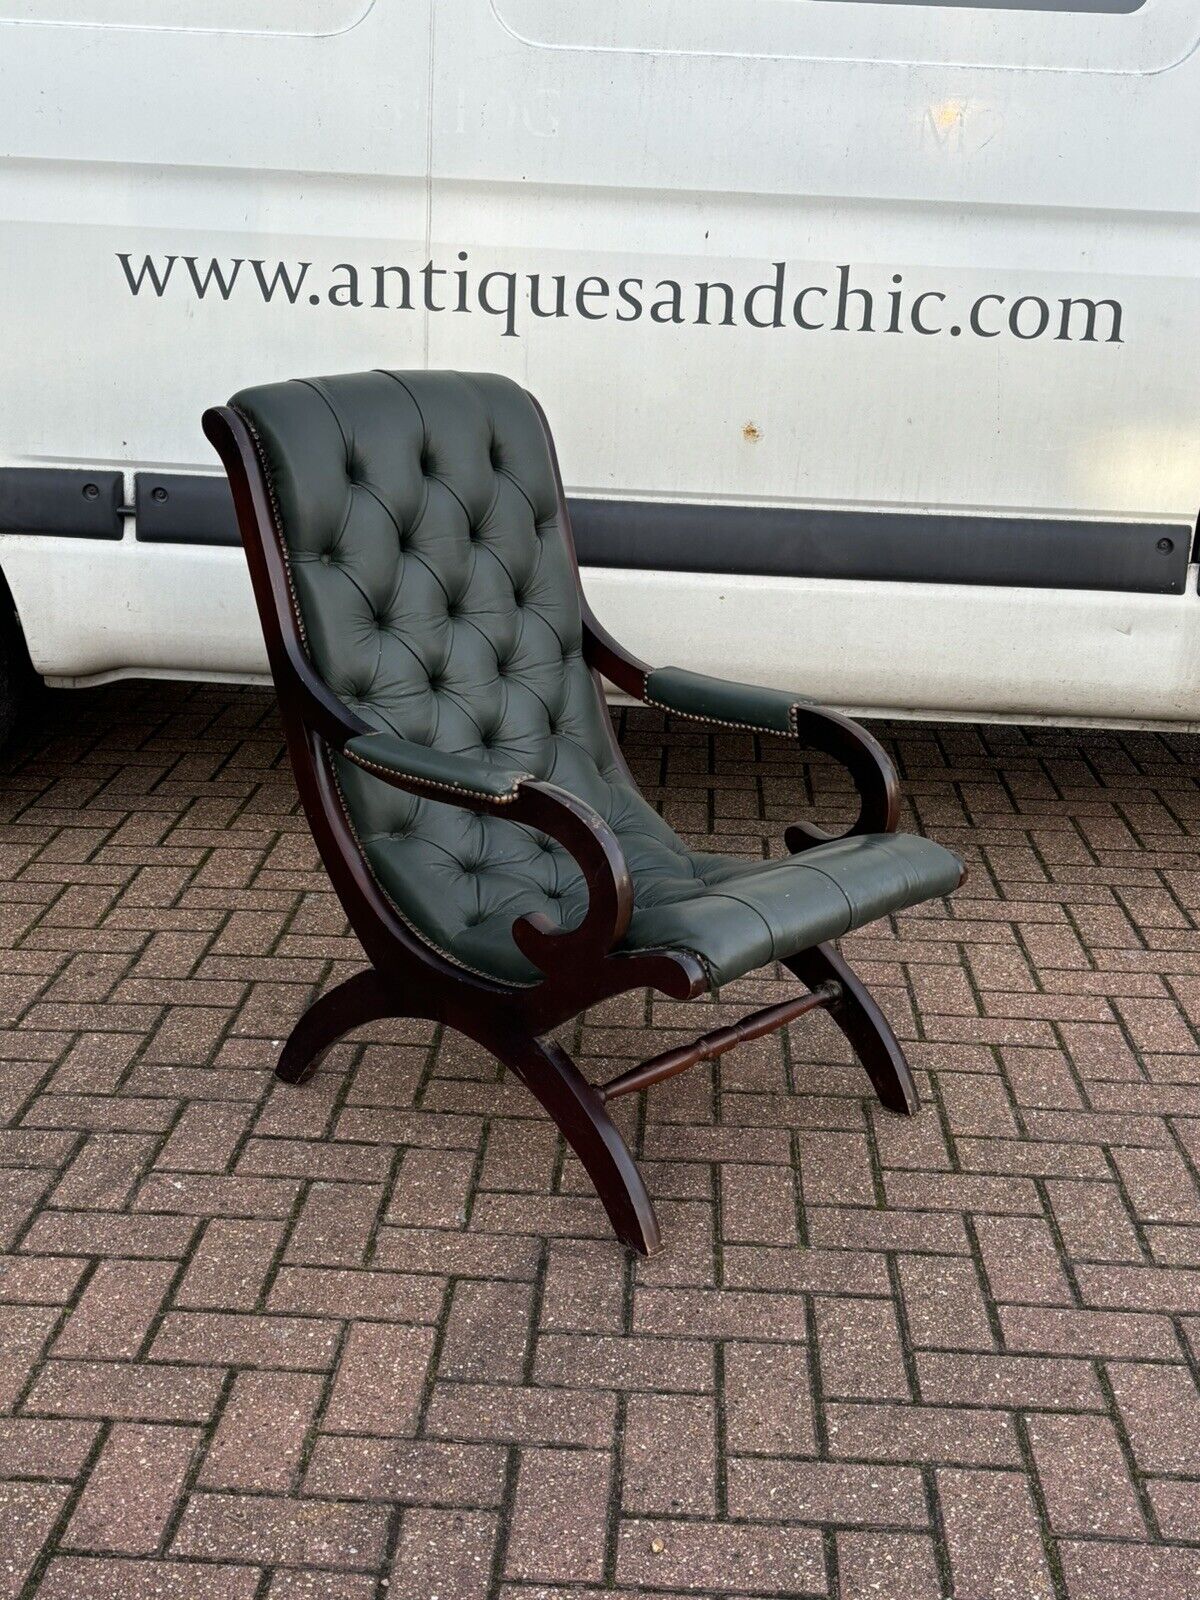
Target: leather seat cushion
[737, 915]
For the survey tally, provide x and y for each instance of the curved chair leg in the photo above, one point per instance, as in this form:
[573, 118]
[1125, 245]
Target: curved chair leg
[362, 998]
[864, 1024]
[551, 1075]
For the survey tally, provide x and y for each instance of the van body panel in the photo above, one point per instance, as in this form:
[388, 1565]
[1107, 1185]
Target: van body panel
[1127, 660]
[887, 260]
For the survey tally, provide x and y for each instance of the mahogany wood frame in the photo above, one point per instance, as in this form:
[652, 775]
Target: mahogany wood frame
[580, 966]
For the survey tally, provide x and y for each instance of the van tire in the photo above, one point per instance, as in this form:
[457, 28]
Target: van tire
[18, 681]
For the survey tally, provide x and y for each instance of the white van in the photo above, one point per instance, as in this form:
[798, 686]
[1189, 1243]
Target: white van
[867, 331]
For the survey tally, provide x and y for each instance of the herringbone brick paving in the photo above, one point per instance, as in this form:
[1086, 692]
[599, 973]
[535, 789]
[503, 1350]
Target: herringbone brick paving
[370, 1337]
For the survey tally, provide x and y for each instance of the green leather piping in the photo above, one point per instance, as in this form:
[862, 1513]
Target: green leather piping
[277, 519]
[737, 900]
[836, 885]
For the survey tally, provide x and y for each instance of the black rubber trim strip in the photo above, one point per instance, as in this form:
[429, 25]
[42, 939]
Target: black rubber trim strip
[62, 502]
[884, 546]
[184, 508]
[788, 542]
[1106, 8]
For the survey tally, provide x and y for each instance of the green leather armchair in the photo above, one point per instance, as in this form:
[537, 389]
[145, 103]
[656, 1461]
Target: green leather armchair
[439, 676]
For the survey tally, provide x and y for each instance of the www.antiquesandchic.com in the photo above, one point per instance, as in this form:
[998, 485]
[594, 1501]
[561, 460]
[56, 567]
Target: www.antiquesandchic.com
[846, 303]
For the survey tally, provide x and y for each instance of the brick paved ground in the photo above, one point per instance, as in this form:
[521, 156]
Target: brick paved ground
[371, 1338]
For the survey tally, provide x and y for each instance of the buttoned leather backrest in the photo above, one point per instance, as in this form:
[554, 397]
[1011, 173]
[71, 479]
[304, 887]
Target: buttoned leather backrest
[438, 599]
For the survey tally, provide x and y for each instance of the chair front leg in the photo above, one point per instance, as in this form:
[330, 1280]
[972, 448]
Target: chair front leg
[550, 1074]
[864, 1025]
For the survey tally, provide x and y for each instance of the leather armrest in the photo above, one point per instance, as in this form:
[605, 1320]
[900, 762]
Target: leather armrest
[415, 766]
[734, 705]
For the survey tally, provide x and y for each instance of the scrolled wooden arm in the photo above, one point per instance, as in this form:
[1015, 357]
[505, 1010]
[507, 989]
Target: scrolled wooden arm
[598, 853]
[869, 766]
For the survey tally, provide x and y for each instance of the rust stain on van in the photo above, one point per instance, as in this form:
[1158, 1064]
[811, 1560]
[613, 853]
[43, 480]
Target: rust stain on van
[752, 433]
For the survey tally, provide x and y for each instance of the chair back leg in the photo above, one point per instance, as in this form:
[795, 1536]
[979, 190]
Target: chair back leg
[362, 998]
[864, 1025]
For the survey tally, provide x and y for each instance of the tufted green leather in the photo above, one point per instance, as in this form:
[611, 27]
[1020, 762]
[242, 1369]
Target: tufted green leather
[438, 601]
